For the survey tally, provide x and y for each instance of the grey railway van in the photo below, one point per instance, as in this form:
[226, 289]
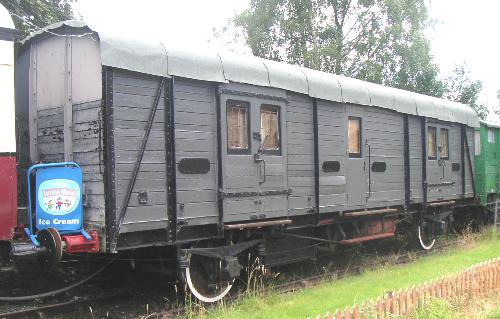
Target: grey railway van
[178, 145]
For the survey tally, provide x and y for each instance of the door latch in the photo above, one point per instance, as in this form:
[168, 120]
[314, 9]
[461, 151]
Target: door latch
[258, 159]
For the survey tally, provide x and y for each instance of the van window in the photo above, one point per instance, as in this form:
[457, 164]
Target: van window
[237, 127]
[445, 149]
[270, 128]
[431, 142]
[354, 137]
[491, 136]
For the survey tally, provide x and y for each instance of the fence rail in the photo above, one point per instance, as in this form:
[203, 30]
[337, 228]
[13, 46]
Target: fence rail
[472, 283]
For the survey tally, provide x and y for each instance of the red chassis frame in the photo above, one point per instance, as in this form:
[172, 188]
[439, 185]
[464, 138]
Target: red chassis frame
[8, 196]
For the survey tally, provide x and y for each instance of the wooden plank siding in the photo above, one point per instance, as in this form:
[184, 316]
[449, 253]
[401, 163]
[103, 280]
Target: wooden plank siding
[196, 137]
[133, 99]
[332, 147]
[87, 148]
[300, 169]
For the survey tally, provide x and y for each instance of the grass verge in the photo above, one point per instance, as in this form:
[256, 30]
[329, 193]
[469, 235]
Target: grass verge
[485, 308]
[336, 294]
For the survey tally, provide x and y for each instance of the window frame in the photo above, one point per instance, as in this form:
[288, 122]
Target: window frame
[264, 151]
[238, 151]
[447, 157]
[492, 131]
[360, 137]
[435, 143]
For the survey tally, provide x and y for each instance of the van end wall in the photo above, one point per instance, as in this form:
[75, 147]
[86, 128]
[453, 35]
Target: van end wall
[66, 71]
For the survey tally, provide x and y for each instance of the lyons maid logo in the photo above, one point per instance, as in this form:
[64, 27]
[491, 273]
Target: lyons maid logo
[58, 196]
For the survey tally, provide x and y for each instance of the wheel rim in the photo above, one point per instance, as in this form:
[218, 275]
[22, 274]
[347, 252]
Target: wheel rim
[426, 237]
[51, 241]
[197, 282]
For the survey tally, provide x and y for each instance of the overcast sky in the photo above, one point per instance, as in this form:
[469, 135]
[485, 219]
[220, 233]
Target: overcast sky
[466, 30]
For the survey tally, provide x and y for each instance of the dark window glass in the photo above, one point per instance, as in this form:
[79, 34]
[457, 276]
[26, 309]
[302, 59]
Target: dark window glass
[331, 166]
[237, 118]
[354, 136]
[431, 142]
[379, 167]
[270, 128]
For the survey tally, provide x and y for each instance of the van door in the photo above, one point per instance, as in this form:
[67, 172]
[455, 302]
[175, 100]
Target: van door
[271, 159]
[253, 158]
[439, 171]
[355, 164]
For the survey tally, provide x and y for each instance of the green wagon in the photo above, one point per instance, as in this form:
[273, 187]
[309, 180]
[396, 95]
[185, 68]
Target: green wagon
[487, 161]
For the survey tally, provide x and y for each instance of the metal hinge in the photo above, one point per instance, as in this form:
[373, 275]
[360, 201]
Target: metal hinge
[223, 194]
[440, 184]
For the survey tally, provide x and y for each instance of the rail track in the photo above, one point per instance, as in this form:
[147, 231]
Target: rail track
[60, 307]
[108, 295]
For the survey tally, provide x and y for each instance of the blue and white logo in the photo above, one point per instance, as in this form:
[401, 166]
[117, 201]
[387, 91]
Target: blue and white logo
[59, 196]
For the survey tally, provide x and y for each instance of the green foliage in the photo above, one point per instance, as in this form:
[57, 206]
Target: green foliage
[28, 15]
[436, 309]
[462, 89]
[381, 41]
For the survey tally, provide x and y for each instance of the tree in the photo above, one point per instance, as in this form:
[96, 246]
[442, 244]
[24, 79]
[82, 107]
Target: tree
[381, 41]
[30, 15]
[461, 88]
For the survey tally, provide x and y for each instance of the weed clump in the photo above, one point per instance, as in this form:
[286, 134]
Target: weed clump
[436, 309]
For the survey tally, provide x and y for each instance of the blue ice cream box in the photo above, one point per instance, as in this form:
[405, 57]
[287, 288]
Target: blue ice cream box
[59, 198]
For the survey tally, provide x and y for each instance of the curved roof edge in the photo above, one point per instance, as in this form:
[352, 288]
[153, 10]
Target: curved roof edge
[489, 124]
[158, 58]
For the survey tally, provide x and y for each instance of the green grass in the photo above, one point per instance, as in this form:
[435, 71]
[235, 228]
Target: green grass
[486, 308]
[495, 314]
[337, 294]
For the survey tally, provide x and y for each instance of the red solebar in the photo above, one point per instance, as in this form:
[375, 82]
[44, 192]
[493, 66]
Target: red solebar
[8, 196]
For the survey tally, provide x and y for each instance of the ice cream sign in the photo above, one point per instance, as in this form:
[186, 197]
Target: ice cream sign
[59, 196]
[59, 199]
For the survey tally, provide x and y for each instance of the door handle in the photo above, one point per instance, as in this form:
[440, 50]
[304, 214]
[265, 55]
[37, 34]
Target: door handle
[259, 160]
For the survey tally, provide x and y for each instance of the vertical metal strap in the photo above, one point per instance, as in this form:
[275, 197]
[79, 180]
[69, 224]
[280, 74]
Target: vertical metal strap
[369, 170]
[138, 162]
[109, 154]
[171, 161]
[471, 169]
[424, 162]
[316, 156]
[462, 157]
[68, 103]
[220, 180]
[406, 155]
[33, 108]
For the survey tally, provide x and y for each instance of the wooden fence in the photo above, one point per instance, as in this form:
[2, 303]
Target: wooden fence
[474, 282]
